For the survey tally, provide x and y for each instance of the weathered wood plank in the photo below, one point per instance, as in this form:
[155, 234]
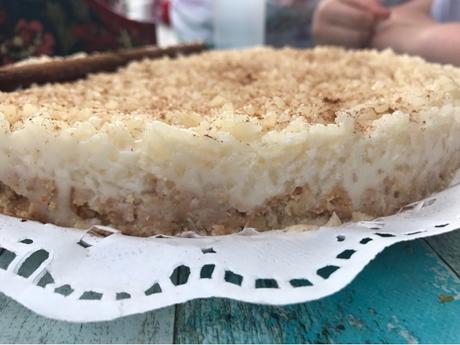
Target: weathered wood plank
[447, 246]
[19, 325]
[401, 297]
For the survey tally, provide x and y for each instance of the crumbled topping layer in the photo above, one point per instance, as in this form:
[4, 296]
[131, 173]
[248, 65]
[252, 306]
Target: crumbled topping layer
[272, 88]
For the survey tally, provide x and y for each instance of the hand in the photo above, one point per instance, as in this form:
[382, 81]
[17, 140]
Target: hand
[412, 30]
[407, 24]
[348, 23]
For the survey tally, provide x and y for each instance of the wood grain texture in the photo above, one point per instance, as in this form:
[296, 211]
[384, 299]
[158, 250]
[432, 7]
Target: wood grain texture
[395, 299]
[19, 325]
[447, 247]
[15, 76]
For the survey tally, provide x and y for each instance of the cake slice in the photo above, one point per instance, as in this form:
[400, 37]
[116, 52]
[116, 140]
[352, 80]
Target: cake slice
[220, 141]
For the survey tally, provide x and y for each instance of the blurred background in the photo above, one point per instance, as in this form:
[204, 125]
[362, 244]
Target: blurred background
[62, 27]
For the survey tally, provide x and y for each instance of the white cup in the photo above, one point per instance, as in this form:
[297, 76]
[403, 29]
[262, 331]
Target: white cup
[238, 23]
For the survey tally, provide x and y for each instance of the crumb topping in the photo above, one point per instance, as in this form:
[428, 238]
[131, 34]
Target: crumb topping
[270, 87]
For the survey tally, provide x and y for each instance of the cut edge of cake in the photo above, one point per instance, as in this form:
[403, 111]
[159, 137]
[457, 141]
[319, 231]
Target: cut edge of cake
[168, 179]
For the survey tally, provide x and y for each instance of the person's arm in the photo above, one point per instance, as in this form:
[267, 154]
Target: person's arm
[411, 30]
[348, 23]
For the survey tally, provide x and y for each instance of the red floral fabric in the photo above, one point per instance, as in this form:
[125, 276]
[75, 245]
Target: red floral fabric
[61, 27]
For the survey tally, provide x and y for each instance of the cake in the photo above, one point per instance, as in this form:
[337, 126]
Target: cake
[220, 141]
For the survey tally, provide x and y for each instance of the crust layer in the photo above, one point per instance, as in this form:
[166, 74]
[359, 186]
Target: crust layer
[163, 209]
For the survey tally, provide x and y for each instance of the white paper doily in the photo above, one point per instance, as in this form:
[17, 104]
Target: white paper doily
[82, 276]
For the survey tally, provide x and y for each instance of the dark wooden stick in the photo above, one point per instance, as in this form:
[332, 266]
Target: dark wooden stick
[13, 77]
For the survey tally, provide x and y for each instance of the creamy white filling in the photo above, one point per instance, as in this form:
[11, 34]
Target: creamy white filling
[240, 166]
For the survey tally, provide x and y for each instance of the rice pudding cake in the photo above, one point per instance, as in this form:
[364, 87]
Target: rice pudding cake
[224, 140]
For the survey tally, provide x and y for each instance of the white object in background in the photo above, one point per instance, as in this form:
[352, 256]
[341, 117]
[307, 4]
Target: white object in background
[165, 36]
[239, 23]
[192, 20]
[140, 10]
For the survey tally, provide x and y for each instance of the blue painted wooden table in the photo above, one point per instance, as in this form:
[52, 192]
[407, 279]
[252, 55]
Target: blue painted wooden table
[410, 293]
